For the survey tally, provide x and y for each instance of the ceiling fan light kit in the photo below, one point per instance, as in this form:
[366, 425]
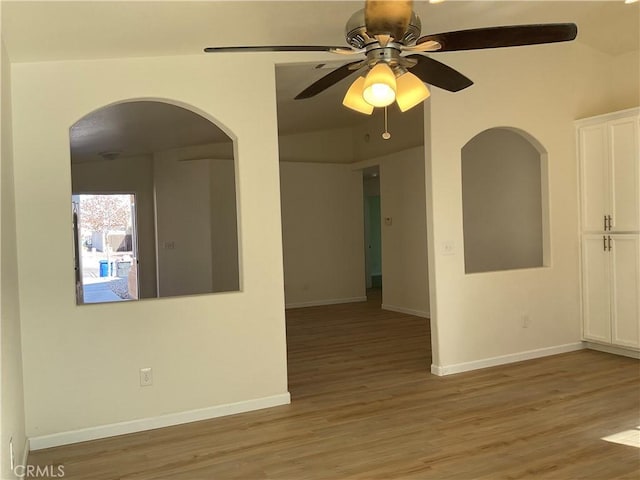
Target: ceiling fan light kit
[383, 31]
[411, 91]
[354, 100]
[380, 86]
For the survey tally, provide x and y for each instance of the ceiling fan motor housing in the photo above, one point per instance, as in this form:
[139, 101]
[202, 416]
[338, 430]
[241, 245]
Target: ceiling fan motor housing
[358, 37]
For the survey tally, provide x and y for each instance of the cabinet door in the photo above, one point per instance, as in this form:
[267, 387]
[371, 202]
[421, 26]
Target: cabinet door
[595, 289]
[624, 171]
[594, 190]
[625, 290]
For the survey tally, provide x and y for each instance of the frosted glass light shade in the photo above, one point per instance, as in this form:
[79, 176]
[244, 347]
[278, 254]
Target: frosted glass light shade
[380, 86]
[353, 98]
[410, 91]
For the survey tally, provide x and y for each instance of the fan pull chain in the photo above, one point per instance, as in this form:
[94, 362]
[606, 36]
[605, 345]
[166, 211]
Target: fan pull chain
[386, 135]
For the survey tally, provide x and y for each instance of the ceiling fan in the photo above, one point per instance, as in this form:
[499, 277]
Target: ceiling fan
[384, 31]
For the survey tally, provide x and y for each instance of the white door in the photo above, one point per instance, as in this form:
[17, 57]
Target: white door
[595, 288]
[624, 171]
[625, 290]
[593, 154]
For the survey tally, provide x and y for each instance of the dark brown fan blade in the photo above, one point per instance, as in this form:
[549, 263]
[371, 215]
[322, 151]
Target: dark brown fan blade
[327, 81]
[438, 74]
[507, 36]
[277, 48]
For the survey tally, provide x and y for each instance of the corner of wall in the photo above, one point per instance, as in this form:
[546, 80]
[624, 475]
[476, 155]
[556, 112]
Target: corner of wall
[12, 420]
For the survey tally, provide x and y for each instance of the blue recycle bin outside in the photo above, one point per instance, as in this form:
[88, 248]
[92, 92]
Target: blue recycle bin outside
[104, 268]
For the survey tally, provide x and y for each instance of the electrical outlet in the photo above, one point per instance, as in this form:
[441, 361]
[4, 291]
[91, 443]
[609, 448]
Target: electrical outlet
[526, 321]
[146, 377]
[12, 455]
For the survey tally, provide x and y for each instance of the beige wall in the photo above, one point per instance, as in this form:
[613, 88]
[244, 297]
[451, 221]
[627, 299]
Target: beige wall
[603, 83]
[87, 358]
[183, 212]
[224, 226]
[334, 145]
[625, 81]
[127, 175]
[12, 420]
[502, 202]
[406, 132]
[480, 316]
[404, 242]
[322, 230]
[196, 224]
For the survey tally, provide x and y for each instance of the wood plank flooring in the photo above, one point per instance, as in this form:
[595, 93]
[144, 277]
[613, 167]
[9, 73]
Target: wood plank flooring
[365, 407]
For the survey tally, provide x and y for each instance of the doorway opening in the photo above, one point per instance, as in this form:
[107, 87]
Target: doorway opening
[372, 231]
[105, 241]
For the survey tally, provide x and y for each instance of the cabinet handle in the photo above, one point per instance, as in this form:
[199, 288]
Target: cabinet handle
[604, 242]
[609, 218]
[604, 217]
[609, 240]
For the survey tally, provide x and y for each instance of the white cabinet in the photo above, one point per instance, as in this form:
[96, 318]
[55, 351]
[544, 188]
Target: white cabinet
[625, 290]
[596, 305]
[609, 157]
[611, 288]
[609, 176]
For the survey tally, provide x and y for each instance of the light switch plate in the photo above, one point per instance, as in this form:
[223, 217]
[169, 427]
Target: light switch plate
[448, 247]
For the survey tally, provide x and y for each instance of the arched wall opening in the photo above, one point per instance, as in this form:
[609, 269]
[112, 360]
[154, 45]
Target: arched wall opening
[154, 202]
[505, 201]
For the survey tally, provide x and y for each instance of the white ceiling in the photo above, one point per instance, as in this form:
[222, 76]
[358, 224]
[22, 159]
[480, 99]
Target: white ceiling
[50, 30]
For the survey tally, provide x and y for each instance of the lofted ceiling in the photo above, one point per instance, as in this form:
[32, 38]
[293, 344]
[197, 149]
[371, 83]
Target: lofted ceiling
[50, 31]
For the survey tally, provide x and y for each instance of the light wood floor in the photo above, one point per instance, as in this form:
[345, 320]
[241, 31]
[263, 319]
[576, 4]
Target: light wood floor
[364, 406]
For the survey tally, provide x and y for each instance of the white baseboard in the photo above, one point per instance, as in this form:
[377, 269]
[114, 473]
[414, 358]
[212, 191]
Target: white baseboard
[613, 349]
[333, 301]
[122, 428]
[442, 370]
[408, 311]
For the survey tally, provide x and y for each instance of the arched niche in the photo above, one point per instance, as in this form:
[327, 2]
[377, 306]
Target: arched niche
[505, 201]
[154, 203]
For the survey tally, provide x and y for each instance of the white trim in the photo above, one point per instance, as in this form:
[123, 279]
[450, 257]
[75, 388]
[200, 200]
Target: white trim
[332, 301]
[408, 311]
[605, 117]
[442, 370]
[25, 457]
[616, 350]
[122, 428]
